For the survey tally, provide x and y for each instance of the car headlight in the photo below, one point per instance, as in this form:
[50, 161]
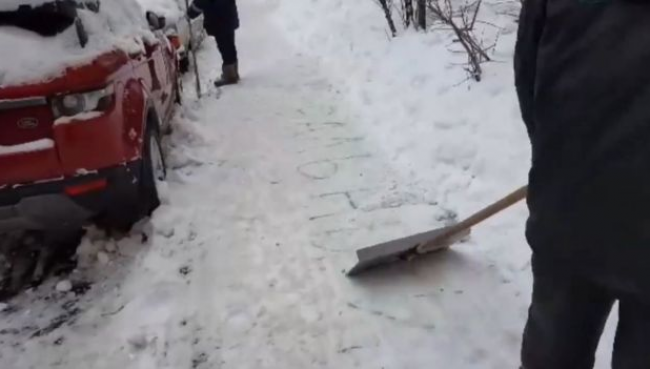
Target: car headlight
[73, 104]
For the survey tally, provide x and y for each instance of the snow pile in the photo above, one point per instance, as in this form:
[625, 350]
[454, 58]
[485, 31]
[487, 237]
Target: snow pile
[119, 25]
[415, 98]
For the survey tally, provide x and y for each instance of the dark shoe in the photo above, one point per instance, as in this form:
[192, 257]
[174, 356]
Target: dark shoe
[229, 76]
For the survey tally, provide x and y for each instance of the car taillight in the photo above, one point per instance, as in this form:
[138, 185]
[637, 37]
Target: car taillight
[74, 104]
[175, 41]
[87, 187]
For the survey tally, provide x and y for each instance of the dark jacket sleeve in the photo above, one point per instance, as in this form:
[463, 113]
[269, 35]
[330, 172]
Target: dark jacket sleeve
[531, 27]
[197, 7]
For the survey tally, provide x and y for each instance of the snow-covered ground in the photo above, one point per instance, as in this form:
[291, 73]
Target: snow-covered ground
[337, 138]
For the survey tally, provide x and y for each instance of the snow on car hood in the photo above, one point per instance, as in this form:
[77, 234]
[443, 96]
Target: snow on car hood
[9, 5]
[28, 57]
[37, 57]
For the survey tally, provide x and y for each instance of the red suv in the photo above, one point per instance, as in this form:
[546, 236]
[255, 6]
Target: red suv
[86, 90]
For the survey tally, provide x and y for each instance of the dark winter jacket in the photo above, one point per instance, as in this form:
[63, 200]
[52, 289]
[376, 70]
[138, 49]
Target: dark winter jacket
[582, 71]
[219, 15]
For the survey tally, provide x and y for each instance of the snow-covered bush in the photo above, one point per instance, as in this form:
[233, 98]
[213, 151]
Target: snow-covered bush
[461, 18]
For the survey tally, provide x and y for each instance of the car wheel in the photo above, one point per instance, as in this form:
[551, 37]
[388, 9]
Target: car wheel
[184, 64]
[154, 171]
[178, 92]
[135, 202]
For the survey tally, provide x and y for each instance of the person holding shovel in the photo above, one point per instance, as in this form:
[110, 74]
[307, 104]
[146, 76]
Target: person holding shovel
[221, 20]
[584, 90]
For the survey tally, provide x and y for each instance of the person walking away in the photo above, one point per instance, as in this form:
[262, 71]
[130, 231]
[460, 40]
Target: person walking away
[221, 20]
[584, 91]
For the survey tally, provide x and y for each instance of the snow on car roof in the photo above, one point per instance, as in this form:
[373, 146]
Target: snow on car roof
[120, 24]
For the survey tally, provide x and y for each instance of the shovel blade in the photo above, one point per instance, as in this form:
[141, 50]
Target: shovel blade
[404, 249]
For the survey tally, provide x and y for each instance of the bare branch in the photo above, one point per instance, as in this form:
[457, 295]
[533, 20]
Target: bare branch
[386, 7]
[462, 22]
[409, 15]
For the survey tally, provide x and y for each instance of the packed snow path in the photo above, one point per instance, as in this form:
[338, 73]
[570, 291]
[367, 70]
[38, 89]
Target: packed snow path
[272, 187]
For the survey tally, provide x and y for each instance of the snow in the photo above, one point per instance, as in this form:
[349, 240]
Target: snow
[85, 172]
[64, 286]
[11, 5]
[78, 118]
[103, 258]
[119, 25]
[40, 145]
[170, 9]
[337, 138]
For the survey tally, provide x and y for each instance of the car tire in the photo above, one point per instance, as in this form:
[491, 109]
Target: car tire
[184, 65]
[154, 171]
[178, 92]
[135, 202]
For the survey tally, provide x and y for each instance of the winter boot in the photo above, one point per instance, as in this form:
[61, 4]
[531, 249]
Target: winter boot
[229, 76]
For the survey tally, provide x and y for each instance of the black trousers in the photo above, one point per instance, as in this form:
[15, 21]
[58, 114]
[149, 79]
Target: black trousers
[226, 44]
[567, 317]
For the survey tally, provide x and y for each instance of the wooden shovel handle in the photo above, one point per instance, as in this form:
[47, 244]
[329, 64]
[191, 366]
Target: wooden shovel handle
[482, 215]
[493, 209]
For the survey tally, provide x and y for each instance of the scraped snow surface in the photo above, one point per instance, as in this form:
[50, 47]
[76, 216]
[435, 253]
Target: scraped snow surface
[39, 145]
[337, 138]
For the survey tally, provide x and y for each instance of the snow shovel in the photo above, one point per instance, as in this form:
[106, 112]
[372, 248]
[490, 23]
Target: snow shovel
[438, 239]
[193, 52]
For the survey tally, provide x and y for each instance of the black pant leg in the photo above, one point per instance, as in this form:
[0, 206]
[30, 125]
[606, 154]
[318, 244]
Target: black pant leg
[226, 44]
[566, 319]
[632, 344]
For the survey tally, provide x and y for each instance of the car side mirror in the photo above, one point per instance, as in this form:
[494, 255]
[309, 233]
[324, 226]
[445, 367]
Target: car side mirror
[156, 22]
